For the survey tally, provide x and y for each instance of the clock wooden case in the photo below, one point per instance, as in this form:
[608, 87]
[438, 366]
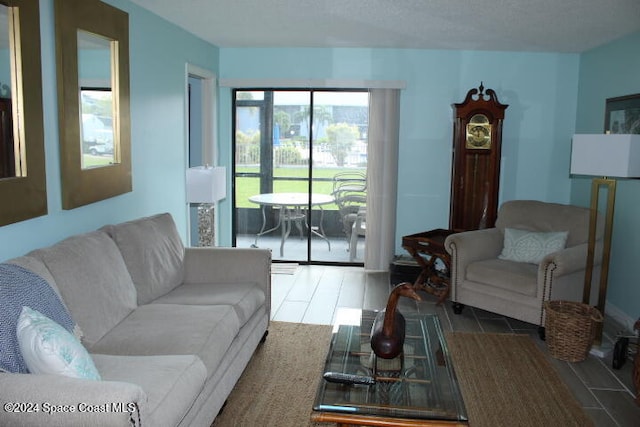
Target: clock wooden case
[477, 142]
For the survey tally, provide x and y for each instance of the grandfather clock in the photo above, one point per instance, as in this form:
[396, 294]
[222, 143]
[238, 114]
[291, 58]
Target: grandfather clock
[477, 140]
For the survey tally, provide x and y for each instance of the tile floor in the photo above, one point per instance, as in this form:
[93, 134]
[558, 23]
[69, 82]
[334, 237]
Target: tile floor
[295, 248]
[314, 293]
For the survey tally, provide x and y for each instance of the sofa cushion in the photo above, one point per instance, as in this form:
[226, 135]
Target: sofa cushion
[531, 246]
[245, 298]
[20, 287]
[171, 383]
[153, 252]
[36, 266]
[518, 277]
[48, 348]
[93, 280]
[163, 329]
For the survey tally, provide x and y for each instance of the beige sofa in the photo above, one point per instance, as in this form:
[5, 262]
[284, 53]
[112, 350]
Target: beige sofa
[480, 278]
[170, 329]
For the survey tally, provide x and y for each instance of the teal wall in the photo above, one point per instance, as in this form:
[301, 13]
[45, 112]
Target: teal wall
[549, 96]
[610, 71]
[158, 54]
[540, 88]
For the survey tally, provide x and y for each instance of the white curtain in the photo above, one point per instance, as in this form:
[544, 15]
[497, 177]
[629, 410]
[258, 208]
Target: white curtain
[382, 178]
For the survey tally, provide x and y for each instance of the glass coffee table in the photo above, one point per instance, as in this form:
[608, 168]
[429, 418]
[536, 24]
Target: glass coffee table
[417, 388]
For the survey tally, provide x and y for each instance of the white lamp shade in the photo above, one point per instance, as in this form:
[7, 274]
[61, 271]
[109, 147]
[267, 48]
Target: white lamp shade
[607, 155]
[206, 184]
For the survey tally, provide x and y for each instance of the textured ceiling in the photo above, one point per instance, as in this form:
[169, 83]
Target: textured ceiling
[507, 25]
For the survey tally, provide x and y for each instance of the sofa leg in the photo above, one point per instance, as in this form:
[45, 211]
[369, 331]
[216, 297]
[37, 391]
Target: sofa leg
[457, 307]
[542, 333]
[264, 337]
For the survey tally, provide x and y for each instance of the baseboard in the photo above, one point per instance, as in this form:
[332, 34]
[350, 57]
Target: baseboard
[619, 316]
[603, 350]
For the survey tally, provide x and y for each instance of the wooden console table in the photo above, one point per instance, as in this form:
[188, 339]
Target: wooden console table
[427, 248]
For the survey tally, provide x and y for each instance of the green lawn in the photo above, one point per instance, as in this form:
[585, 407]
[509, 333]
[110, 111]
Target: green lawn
[91, 161]
[322, 184]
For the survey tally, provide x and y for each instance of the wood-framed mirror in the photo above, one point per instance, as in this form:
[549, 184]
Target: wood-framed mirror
[23, 188]
[92, 51]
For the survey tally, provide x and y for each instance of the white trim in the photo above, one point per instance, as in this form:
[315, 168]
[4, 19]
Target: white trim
[313, 83]
[619, 316]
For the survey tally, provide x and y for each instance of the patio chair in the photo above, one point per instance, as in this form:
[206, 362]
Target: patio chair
[358, 229]
[350, 194]
[350, 181]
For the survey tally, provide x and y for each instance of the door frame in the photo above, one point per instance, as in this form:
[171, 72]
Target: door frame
[209, 128]
[266, 108]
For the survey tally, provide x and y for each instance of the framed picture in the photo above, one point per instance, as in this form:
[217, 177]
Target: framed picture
[622, 114]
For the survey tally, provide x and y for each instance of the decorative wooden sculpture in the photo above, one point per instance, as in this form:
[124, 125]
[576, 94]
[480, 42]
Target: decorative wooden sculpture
[477, 139]
[388, 330]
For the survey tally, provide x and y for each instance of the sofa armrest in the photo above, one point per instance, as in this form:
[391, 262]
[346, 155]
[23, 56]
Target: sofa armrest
[475, 245]
[229, 265]
[55, 400]
[470, 246]
[566, 261]
[572, 260]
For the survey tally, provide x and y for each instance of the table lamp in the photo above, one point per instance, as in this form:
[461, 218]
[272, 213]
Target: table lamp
[607, 157]
[206, 185]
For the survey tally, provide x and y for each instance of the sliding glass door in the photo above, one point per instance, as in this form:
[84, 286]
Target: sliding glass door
[300, 173]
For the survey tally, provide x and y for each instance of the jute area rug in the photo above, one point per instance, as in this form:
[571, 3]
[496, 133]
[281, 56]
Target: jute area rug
[504, 378]
[507, 381]
[279, 385]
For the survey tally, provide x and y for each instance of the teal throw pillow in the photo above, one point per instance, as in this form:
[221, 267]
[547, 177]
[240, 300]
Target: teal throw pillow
[48, 348]
[531, 246]
[21, 287]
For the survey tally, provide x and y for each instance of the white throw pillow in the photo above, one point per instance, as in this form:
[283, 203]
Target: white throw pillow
[531, 246]
[48, 348]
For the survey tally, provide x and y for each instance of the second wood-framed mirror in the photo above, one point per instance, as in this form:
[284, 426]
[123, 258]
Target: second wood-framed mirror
[92, 44]
[23, 188]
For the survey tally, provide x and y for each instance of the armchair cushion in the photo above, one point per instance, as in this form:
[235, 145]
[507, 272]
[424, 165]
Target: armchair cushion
[512, 276]
[534, 215]
[530, 246]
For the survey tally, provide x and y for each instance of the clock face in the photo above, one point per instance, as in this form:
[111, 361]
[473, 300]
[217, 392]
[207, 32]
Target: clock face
[479, 132]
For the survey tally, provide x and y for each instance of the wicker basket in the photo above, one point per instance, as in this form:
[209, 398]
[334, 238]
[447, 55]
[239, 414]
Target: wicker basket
[570, 329]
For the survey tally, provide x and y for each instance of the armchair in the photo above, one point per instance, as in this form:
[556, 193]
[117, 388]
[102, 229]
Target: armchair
[481, 276]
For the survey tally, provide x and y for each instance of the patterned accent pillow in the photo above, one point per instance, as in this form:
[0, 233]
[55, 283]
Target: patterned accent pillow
[531, 246]
[21, 287]
[48, 348]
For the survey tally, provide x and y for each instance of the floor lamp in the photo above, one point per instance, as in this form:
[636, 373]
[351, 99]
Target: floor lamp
[606, 157]
[206, 186]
